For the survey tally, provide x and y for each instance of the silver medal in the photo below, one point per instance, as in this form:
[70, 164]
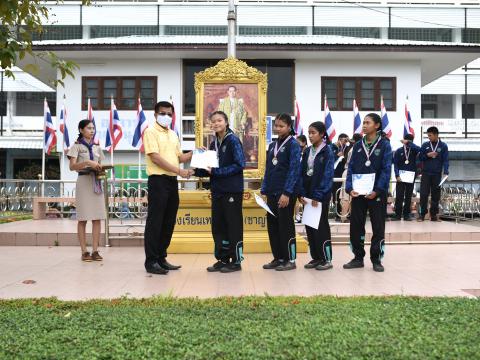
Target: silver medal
[310, 172]
[407, 162]
[368, 163]
[274, 161]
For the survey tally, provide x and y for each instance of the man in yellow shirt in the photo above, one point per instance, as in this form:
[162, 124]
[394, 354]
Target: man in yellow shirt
[163, 158]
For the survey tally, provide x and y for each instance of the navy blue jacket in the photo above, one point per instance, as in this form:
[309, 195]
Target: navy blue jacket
[283, 178]
[381, 165]
[341, 165]
[399, 159]
[318, 187]
[228, 177]
[433, 166]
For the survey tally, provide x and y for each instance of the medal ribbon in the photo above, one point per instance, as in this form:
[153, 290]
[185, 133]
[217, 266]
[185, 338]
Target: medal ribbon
[313, 154]
[371, 147]
[277, 149]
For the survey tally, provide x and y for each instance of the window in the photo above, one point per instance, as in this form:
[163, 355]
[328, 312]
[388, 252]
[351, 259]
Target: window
[280, 93]
[100, 31]
[273, 30]
[195, 30]
[58, 32]
[31, 103]
[421, 34]
[347, 31]
[367, 91]
[471, 35]
[124, 90]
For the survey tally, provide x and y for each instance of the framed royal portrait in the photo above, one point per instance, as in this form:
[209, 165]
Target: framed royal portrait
[240, 91]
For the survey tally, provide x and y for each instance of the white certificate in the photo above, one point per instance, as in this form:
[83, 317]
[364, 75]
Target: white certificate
[203, 159]
[339, 160]
[407, 176]
[263, 204]
[311, 215]
[363, 183]
[443, 180]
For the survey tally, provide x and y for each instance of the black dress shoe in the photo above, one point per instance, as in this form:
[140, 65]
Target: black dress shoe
[396, 218]
[216, 267]
[378, 267]
[434, 218]
[156, 269]
[167, 266]
[354, 264]
[229, 268]
[312, 264]
[408, 218]
[272, 264]
[286, 265]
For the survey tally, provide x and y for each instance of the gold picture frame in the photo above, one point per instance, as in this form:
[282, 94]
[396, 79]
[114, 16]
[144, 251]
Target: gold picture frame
[233, 85]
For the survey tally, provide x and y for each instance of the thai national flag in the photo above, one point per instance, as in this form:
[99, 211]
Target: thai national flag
[50, 136]
[142, 125]
[407, 128]
[385, 123]
[329, 122]
[63, 126]
[114, 130]
[357, 121]
[298, 125]
[90, 117]
[174, 125]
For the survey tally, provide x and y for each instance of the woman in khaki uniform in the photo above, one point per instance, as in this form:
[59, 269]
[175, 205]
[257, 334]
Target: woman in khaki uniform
[85, 158]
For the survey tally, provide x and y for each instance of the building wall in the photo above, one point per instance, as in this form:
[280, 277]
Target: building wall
[308, 90]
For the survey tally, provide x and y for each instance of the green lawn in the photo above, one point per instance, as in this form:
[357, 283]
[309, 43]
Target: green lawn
[242, 328]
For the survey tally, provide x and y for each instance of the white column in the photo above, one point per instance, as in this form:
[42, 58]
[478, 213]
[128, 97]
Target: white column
[383, 33]
[457, 106]
[457, 35]
[86, 32]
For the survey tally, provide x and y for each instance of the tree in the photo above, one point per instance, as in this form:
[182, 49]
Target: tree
[19, 21]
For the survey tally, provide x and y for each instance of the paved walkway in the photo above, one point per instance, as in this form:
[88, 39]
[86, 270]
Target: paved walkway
[425, 270]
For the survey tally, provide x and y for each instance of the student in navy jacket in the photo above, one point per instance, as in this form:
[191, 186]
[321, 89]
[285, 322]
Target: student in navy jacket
[281, 186]
[317, 173]
[434, 155]
[372, 155]
[405, 158]
[340, 149]
[226, 186]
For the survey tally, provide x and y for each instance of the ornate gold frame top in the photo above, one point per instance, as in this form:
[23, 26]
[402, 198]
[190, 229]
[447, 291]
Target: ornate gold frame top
[232, 70]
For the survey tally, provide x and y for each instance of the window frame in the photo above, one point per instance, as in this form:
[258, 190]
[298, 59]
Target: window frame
[118, 96]
[358, 89]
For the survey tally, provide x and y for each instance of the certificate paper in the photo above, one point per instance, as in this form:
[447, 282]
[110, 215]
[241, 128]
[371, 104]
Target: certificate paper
[339, 160]
[311, 215]
[443, 180]
[407, 176]
[263, 204]
[203, 159]
[363, 183]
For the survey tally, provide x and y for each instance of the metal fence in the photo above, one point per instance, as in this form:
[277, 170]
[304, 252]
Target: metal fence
[127, 198]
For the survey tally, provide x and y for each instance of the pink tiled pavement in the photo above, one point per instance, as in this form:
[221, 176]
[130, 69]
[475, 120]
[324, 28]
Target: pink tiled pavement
[424, 270]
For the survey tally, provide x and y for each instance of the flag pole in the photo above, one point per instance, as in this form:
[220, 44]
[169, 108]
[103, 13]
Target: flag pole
[43, 149]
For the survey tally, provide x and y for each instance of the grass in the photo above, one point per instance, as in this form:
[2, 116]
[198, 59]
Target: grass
[6, 217]
[242, 328]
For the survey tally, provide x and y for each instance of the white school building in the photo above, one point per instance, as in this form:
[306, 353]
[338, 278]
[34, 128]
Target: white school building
[426, 52]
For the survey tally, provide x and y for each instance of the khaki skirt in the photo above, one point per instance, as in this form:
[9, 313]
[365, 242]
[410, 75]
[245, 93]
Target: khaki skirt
[90, 206]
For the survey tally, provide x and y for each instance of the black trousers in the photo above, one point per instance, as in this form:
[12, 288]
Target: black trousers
[227, 227]
[376, 210]
[281, 229]
[403, 199]
[336, 197]
[429, 185]
[319, 240]
[162, 214]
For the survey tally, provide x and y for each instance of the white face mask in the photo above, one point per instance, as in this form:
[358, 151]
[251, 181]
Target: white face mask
[164, 120]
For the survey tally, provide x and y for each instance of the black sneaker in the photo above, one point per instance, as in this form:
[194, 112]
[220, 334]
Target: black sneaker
[272, 264]
[407, 218]
[378, 267]
[396, 218]
[312, 264]
[216, 267]
[324, 265]
[434, 219]
[232, 267]
[354, 264]
[286, 265]
[421, 219]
